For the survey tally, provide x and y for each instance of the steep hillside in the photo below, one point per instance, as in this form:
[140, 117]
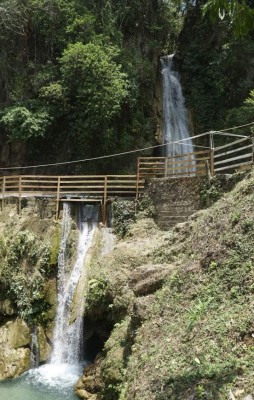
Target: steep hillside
[182, 305]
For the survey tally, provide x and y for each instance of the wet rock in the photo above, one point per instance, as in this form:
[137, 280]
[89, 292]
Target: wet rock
[147, 279]
[45, 348]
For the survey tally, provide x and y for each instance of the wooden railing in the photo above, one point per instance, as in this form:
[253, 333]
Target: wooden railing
[238, 154]
[71, 188]
[184, 165]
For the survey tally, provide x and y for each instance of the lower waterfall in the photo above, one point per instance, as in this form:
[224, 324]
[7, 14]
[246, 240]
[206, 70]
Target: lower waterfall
[55, 380]
[67, 336]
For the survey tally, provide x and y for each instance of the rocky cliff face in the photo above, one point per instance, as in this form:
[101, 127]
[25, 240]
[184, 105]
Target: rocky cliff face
[28, 267]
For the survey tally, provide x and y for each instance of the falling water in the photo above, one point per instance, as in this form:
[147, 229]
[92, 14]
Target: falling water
[174, 111]
[67, 336]
[55, 380]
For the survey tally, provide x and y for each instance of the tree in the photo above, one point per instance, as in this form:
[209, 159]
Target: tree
[95, 88]
[240, 14]
[21, 123]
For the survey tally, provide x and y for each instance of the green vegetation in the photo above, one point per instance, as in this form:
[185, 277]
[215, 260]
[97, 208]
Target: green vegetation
[125, 212]
[193, 338]
[81, 75]
[81, 78]
[23, 275]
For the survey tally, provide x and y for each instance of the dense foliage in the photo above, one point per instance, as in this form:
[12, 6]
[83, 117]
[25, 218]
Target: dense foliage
[79, 75]
[78, 78]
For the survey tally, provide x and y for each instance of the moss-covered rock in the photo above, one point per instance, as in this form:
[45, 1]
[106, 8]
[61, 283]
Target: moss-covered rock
[14, 349]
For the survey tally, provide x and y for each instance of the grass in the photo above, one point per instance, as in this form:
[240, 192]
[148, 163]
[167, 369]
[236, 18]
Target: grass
[196, 340]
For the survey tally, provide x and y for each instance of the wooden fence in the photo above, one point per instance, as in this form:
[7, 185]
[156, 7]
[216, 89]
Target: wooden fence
[91, 188]
[190, 164]
[228, 158]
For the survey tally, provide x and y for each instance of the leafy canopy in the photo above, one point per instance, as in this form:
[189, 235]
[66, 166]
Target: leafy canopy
[93, 82]
[240, 14]
[21, 123]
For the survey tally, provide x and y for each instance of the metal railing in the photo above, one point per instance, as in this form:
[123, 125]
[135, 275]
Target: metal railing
[234, 156]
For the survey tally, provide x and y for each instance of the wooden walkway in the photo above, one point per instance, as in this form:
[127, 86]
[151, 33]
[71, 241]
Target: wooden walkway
[228, 158]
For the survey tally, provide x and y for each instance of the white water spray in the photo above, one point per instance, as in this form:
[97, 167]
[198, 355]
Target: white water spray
[67, 335]
[174, 111]
[65, 367]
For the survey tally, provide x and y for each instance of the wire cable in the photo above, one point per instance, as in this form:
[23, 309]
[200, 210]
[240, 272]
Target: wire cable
[222, 132]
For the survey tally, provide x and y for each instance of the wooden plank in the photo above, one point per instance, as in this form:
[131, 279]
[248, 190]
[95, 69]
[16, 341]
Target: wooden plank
[152, 163]
[83, 192]
[151, 158]
[82, 200]
[29, 181]
[81, 176]
[82, 187]
[153, 168]
[121, 176]
[39, 176]
[39, 186]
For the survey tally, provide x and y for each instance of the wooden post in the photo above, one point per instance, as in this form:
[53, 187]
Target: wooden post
[137, 180]
[104, 211]
[166, 167]
[252, 139]
[189, 162]
[20, 194]
[58, 196]
[3, 193]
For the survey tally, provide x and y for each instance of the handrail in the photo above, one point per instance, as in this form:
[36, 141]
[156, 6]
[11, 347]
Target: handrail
[226, 158]
[69, 187]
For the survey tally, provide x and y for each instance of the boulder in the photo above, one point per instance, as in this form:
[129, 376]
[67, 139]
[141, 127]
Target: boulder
[147, 279]
[45, 348]
[14, 351]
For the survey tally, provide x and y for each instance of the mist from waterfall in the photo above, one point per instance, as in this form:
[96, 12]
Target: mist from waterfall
[175, 125]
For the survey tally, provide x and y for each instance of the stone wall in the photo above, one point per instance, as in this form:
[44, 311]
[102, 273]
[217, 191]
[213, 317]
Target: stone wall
[175, 199]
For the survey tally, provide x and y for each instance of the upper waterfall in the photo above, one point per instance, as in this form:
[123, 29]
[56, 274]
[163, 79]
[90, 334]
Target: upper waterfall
[174, 111]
